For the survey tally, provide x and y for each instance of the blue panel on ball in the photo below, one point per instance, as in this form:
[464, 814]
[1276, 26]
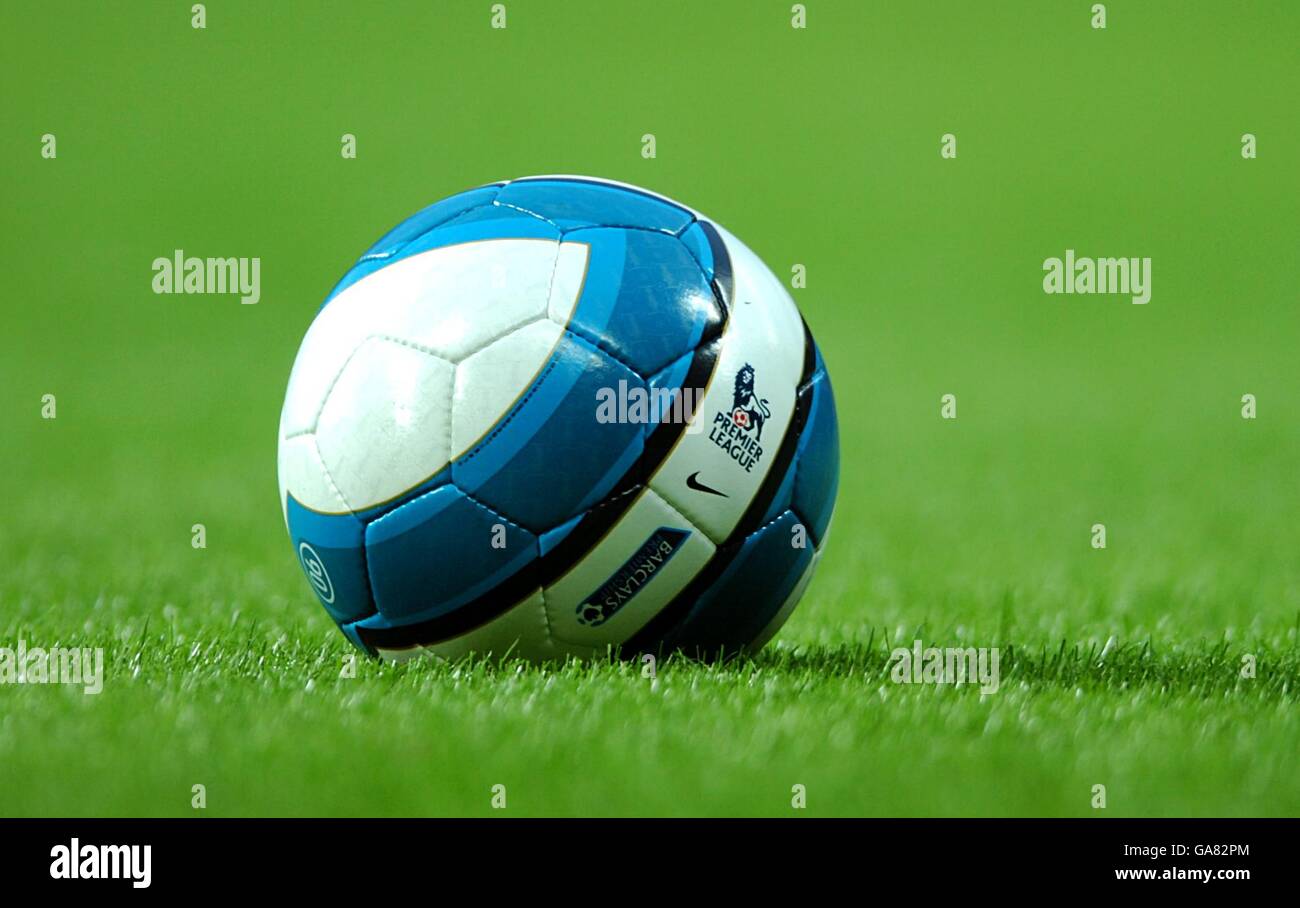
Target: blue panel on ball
[331, 552]
[817, 460]
[669, 402]
[784, 497]
[457, 225]
[350, 631]
[582, 203]
[550, 457]
[489, 222]
[428, 218]
[391, 247]
[440, 551]
[810, 481]
[606, 258]
[697, 244]
[551, 538]
[538, 404]
[736, 608]
[649, 303]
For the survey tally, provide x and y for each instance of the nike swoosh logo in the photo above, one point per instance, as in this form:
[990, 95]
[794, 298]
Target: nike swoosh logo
[693, 483]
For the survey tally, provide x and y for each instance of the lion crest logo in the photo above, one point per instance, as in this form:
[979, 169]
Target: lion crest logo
[748, 410]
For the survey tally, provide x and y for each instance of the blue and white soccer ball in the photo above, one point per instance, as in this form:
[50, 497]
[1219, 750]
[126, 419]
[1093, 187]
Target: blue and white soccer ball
[558, 416]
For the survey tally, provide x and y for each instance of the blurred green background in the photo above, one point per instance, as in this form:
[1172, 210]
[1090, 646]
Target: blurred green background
[817, 146]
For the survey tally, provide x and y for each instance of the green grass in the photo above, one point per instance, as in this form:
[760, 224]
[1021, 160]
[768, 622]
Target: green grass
[1120, 666]
[264, 721]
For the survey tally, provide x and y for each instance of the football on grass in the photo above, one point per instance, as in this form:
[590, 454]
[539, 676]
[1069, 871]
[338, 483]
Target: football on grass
[554, 417]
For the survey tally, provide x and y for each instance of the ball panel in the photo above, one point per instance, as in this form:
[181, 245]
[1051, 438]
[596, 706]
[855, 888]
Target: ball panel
[811, 479]
[550, 458]
[485, 222]
[640, 565]
[438, 552]
[672, 395]
[697, 244]
[646, 300]
[817, 462]
[457, 299]
[743, 416]
[385, 425]
[547, 541]
[489, 381]
[520, 632]
[479, 224]
[450, 301]
[572, 203]
[331, 552]
[392, 246]
[303, 475]
[430, 217]
[561, 548]
[568, 280]
[746, 597]
[494, 221]
[783, 498]
[598, 291]
[783, 613]
[586, 179]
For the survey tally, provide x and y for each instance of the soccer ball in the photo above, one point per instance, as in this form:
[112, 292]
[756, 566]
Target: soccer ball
[556, 417]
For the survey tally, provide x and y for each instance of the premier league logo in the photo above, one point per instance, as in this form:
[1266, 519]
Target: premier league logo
[740, 431]
[748, 410]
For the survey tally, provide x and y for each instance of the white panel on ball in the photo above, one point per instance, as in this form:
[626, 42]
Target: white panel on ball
[766, 333]
[489, 381]
[303, 474]
[451, 301]
[649, 592]
[386, 423]
[567, 282]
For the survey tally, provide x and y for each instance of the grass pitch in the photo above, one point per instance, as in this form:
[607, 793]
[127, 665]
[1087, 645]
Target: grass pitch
[1120, 667]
